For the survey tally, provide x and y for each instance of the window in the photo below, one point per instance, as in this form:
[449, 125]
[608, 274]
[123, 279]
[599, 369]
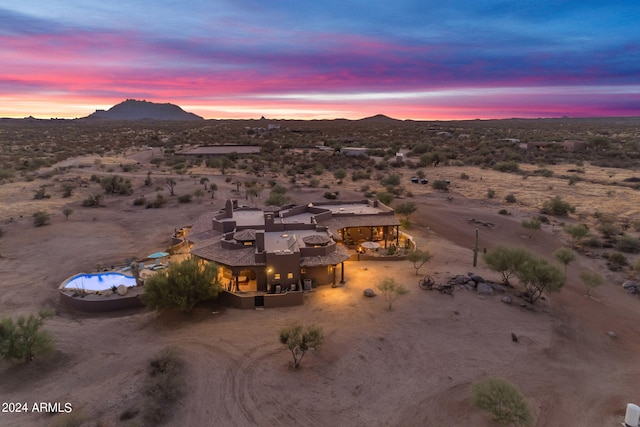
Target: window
[289, 275]
[276, 276]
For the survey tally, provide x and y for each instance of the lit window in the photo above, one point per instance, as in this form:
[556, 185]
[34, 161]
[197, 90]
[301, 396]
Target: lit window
[289, 275]
[276, 276]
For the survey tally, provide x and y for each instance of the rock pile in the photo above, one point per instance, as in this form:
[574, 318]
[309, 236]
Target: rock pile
[632, 287]
[473, 282]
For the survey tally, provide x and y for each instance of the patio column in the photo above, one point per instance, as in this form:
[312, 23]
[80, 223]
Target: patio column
[334, 276]
[397, 235]
[386, 234]
[342, 273]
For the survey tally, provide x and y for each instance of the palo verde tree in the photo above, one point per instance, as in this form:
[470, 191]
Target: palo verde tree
[299, 339]
[405, 210]
[181, 286]
[533, 224]
[565, 256]
[506, 261]
[419, 258]
[591, 280]
[537, 275]
[171, 184]
[340, 174]
[23, 339]
[577, 232]
[391, 290]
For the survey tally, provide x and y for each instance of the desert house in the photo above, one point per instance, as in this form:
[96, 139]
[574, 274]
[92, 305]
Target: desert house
[220, 150]
[289, 248]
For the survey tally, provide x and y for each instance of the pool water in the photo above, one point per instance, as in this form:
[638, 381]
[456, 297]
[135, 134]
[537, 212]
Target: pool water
[99, 281]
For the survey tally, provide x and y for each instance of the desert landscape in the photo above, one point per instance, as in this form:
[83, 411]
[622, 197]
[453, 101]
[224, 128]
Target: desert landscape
[576, 359]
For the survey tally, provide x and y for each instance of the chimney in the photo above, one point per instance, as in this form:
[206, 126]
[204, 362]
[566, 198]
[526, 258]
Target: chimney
[228, 208]
[260, 241]
[268, 221]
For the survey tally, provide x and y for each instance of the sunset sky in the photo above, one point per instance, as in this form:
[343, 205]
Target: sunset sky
[421, 59]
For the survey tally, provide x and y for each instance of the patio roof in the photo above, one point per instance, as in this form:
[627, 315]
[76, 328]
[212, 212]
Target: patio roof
[341, 254]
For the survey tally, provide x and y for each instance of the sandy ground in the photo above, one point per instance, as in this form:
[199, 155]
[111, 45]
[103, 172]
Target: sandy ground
[411, 366]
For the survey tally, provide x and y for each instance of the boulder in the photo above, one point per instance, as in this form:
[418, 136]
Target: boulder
[122, 290]
[507, 300]
[369, 293]
[629, 284]
[477, 279]
[484, 289]
[498, 288]
[460, 280]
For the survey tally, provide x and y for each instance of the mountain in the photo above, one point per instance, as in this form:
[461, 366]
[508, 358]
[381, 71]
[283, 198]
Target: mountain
[132, 109]
[378, 118]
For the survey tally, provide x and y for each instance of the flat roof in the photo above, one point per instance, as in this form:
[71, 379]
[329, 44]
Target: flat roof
[248, 218]
[280, 241]
[356, 208]
[222, 149]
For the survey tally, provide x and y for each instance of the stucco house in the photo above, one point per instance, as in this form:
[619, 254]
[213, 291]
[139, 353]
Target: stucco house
[288, 248]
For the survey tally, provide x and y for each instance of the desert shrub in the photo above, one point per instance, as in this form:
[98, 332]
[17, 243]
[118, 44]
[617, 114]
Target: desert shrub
[40, 218]
[557, 207]
[464, 176]
[615, 261]
[66, 212]
[41, 193]
[139, 201]
[591, 280]
[491, 193]
[67, 190]
[6, 175]
[440, 185]
[510, 198]
[391, 290]
[340, 174]
[609, 230]
[163, 386]
[277, 198]
[543, 219]
[391, 180]
[628, 244]
[503, 401]
[509, 166]
[299, 339]
[592, 242]
[357, 175]
[92, 201]
[157, 203]
[185, 198]
[116, 184]
[573, 179]
[504, 212]
[531, 224]
[181, 286]
[23, 339]
[385, 198]
[543, 172]
[314, 182]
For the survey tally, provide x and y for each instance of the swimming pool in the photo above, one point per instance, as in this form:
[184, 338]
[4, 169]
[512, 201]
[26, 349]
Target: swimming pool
[98, 281]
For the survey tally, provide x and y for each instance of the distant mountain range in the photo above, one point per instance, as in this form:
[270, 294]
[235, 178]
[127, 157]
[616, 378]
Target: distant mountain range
[132, 109]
